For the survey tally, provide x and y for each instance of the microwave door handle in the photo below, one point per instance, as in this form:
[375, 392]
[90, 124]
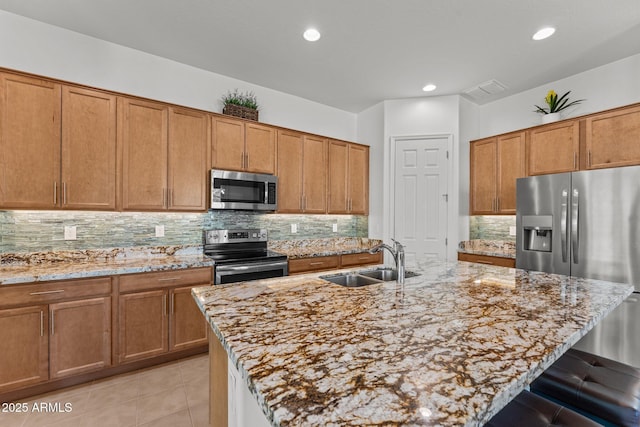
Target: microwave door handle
[563, 224]
[575, 242]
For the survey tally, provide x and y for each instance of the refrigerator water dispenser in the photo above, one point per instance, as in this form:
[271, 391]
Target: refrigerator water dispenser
[537, 231]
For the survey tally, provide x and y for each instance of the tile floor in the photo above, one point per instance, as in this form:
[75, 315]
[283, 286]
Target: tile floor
[175, 394]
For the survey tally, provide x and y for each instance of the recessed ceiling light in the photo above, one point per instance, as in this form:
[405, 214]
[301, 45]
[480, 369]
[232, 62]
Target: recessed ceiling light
[311, 35]
[544, 33]
[430, 87]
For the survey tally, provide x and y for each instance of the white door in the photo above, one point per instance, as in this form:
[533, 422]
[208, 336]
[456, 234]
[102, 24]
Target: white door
[421, 197]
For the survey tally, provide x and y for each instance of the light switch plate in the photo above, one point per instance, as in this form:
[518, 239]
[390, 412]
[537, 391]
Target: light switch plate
[335, 228]
[512, 230]
[69, 232]
[159, 230]
[294, 228]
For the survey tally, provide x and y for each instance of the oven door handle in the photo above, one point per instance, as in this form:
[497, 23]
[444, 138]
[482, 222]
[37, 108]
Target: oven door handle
[251, 268]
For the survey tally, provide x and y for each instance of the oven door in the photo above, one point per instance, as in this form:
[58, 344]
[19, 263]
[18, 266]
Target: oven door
[246, 271]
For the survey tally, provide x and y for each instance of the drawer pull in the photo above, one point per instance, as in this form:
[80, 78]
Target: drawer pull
[169, 279]
[484, 262]
[57, 291]
[316, 263]
[362, 258]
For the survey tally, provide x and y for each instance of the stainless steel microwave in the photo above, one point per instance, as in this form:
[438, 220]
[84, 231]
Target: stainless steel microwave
[243, 191]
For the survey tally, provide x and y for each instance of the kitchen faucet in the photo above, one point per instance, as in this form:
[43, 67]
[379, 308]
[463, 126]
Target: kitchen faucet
[397, 251]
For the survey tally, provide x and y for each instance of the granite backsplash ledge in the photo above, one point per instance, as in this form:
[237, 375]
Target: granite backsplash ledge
[43, 231]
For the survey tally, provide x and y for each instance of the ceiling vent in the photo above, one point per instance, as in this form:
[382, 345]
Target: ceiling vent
[484, 90]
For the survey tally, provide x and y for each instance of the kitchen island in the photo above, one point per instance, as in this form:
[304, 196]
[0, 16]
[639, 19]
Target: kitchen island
[449, 348]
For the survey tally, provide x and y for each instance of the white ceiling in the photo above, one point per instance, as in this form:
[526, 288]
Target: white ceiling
[370, 50]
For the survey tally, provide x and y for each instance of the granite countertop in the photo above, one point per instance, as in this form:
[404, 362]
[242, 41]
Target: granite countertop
[322, 247]
[64, 265]
[449, 348]
[499, 248]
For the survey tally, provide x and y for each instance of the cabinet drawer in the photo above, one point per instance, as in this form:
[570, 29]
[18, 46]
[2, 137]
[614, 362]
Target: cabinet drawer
[489, 260]
[14, 295]
[361, 259]
[165, 279]
[303, 265]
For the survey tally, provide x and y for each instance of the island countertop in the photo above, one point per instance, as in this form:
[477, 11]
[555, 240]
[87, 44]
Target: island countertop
[449, 348]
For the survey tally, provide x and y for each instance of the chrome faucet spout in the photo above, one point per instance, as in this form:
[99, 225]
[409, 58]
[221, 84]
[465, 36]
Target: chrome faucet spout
[397, 251]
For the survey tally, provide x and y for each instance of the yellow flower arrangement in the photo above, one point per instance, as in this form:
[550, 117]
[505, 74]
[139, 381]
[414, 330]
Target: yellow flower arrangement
[556, 104]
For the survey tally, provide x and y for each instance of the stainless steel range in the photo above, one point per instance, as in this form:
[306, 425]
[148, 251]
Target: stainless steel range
[242, 255]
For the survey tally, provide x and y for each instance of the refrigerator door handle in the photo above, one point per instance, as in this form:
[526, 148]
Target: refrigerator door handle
[574, 225]
[563, 224]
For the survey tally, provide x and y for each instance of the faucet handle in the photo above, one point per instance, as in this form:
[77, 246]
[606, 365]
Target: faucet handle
[397, 245]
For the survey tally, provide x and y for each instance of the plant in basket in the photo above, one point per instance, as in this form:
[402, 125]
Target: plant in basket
[241, 104]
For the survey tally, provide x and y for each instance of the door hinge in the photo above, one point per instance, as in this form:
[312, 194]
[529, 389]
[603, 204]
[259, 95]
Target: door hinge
[446, 241]
[446, 197]
[447, 154]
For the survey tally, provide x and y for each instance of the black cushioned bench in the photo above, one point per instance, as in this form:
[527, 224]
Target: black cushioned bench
[530, 410]
[598, 387]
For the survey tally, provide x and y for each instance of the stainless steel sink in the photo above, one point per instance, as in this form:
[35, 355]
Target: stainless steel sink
[350, 280]
[386, 274]
[366, 277]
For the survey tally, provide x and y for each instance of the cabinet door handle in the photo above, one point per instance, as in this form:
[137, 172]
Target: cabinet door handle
[52, 323]
[57, 291]
[164, 305]
[41, 323]
[55, 193]
[173, 303]
[589, 158]
[247, 164]
[64, 193]
[171, 198]
[498, 204]
[575, 161]
[241, 160]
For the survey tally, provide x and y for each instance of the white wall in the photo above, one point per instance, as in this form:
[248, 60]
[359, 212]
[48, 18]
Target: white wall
[423, 116]
[50, 51]
[468, 130]
[371, 132]
[611, 85]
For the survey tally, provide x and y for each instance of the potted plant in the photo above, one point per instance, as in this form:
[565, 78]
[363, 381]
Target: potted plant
[552, 113]
[241, 104]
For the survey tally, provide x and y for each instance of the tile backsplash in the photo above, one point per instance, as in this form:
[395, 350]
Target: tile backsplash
[28, 231]
[492, 227]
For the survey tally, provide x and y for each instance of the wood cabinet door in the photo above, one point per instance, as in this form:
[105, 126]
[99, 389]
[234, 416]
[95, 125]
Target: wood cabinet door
[188, 326]
[29, 143]
[260, 148]
[143, 318]
[553, 148]
[228, 144]
[337, 199]
[80, 336]
[484, 169]
[613, 139]
[143, 140]
[315, 168]
[511, 166]
[88, 149]
[188, 160]
[25, 349]
[290, 169]
[358, 179]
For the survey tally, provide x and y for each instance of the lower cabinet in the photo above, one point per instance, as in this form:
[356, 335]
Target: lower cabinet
[157, 313]
[54, 330]
[486, 259]
[57, 330]
[332, 262]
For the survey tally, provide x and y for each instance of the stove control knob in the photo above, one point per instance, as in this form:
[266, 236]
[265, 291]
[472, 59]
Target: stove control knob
[263, 235]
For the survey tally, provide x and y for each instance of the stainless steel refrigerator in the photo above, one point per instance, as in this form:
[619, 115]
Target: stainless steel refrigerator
[587, 224]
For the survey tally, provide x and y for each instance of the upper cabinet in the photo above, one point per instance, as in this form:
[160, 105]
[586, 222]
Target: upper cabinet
[554, 148]
[302, 173]
[613, 138]
[164, 152]
[496, 163]
[243, 146]
[57, 145]
[348, 178]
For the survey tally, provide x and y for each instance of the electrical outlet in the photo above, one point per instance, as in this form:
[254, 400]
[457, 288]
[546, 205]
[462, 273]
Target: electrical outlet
[159, 230]
[294, 228]
[335, 228]
[69, 232]
[512, 230]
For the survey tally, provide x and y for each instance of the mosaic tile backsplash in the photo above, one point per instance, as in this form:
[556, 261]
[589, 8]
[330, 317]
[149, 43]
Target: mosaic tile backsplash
[27, 231]
[492, 227]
